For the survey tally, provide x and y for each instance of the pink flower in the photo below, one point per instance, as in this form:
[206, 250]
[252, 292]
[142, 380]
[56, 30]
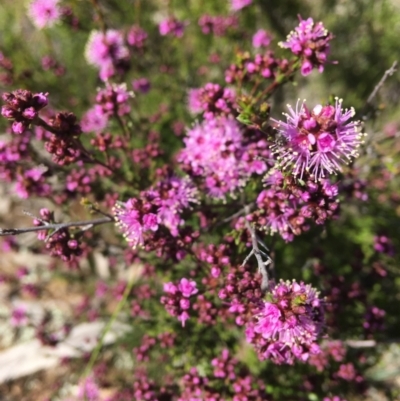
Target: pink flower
[94, 120]
[288, 325]
[318, 141]
[237, 5]
[44, 13]
[194, 101]
[187, 287]
[19, 317]
[176, 300]
[310, 42]
[105, 51]
[134, 220]
[136, 37]
[215, 151]
[171, 26]
[261, 39]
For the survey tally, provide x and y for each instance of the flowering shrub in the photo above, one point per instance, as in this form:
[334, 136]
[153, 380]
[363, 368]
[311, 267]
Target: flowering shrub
[246, 257]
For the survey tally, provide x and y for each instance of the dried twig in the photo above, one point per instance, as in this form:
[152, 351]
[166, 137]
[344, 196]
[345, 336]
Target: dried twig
[386, 75]
[262, 266]
[55, 226]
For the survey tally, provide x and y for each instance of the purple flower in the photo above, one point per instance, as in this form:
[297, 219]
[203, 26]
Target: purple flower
[44, 13]
[176, 300]
[187, 287]
[141, 85]
[217, 24]
[22, 106]
[288, 325]
[19, 316]
[134, 218]
[175, 195]
[32, 182]
[318, 141]
[105, 51]
[310, 42]
[114, 99]
[237, 5]
[261, 39]
[171, 26]
[88, 390]
[162, 204]
[194, 101]
[215, 151]
[94, 120]
[136, 37]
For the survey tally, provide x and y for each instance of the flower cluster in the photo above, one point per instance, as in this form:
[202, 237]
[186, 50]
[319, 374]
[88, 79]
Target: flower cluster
[22, 107]
[135, 217]
[60, 242]
[261, 39]
[217, 25]
[309, 42]
[288, 324]
[175, 195]
[11, 153]
[64, 143]
[334, 349]
[6, 70]
[213, 100]
[113, 100]
[262, 66]
[383, 244]
[44, 13]
[176, 300]
[32, 183]
[241, 290]
[161, 205]
[237, 5]
[287, 207]
[317, 141]
[107, 52]
[214, 150]
[136, 37]
[171, 26]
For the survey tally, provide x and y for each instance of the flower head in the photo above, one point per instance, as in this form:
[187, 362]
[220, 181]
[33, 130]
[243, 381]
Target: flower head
[318, 141]
[134, 218]
[19, 316]
[94, 120]
[175, 195]
[310, 42]
[171, 26]
[261, 39]
[136, 37]
[287, 326]
[106, 51]
[176, 300]
[215, 150]
[237, 5]
[44, 13]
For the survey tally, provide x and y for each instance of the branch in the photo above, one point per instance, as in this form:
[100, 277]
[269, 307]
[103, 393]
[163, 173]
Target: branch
[257, 253]
[56, 226]
[386, 75]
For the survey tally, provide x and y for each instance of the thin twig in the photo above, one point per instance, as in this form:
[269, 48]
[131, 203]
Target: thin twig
[246, 210]
[386, 75]
[55, 226]
[257, 253]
